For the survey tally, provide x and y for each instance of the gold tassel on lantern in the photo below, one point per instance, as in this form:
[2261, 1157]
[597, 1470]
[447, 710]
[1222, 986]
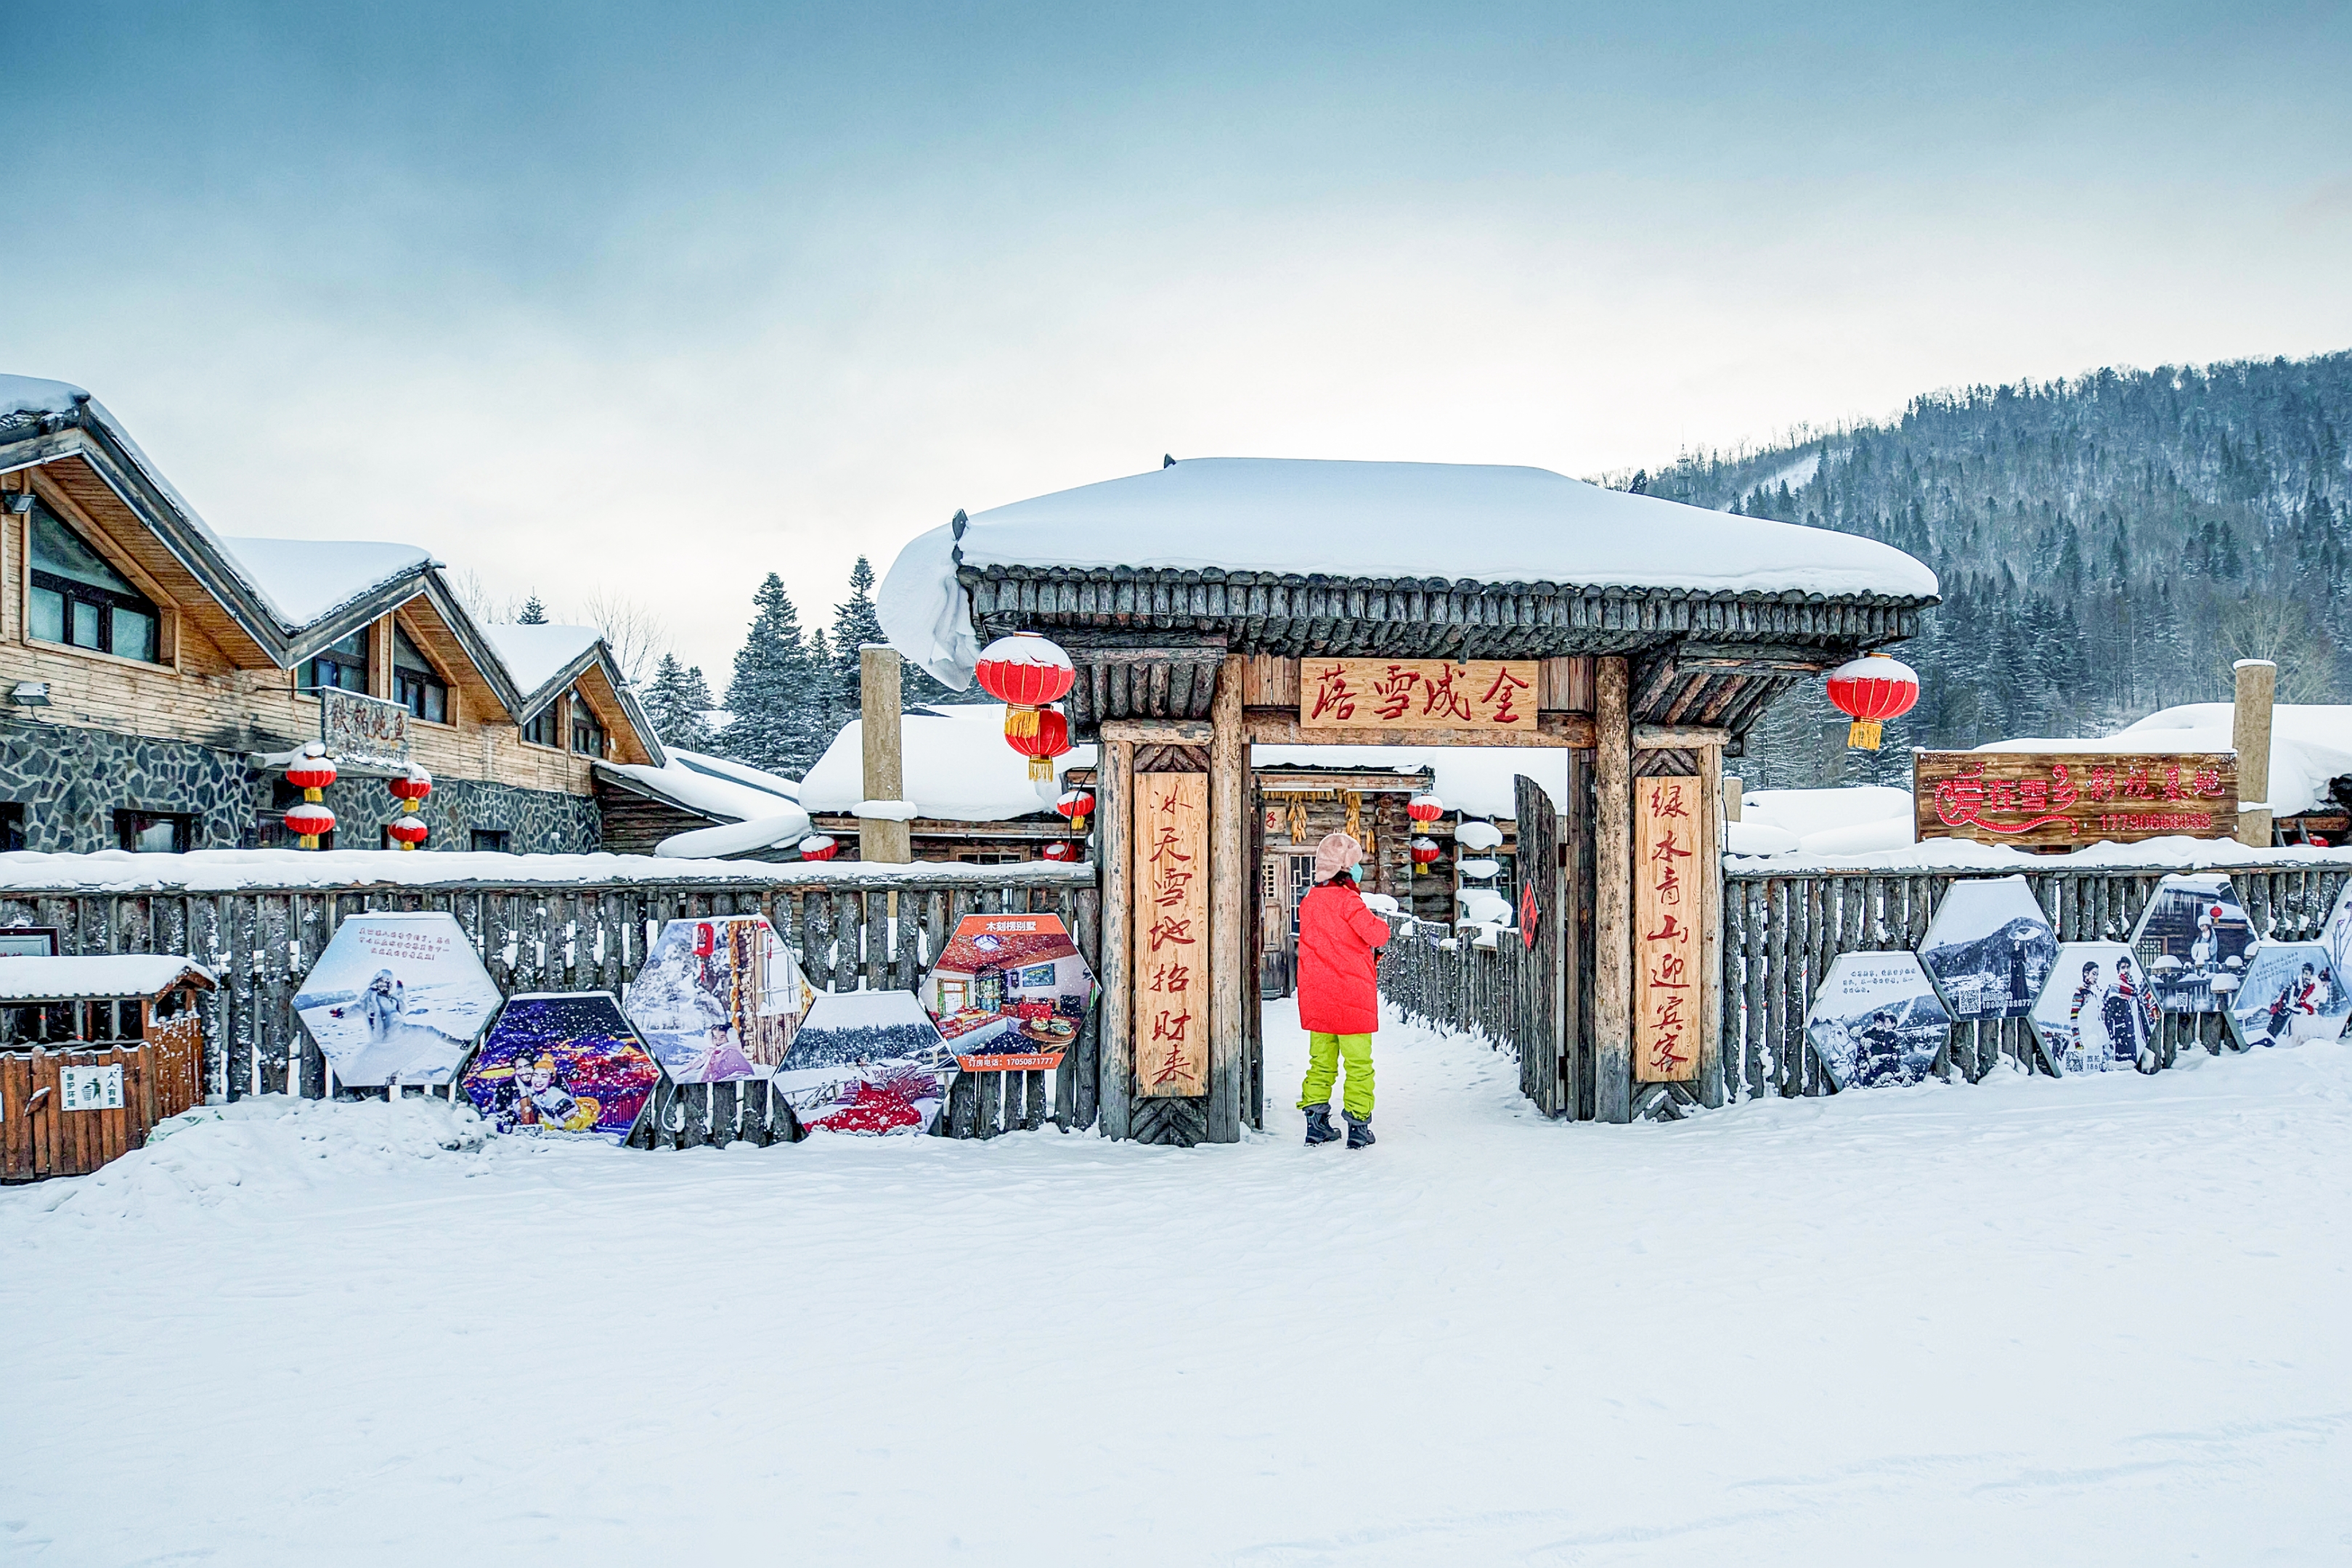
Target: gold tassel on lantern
[1041, 768]
[1019, 720]
[1863, 733]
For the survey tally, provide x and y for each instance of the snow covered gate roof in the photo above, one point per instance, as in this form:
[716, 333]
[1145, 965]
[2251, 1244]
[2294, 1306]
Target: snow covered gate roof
[1149, 581]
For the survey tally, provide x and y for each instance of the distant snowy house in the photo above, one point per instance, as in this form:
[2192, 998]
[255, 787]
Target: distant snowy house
[692, 792]
[972, 795]
[159, 674]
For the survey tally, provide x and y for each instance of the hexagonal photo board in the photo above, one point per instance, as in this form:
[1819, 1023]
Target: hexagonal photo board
[2337, 935]
[2194, 938]
[717, 999]
[1009, 992]
[1876, 1020]
[561, 1064]
[397, 997]
[2095, 1013]
[2291, 991]
[1988, 948]
[866, 1062]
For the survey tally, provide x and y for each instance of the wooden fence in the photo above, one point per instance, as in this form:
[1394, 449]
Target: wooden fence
[1782, 929]
[853, 928]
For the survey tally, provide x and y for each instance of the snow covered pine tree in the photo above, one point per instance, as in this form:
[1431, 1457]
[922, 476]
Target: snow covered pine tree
[677, 700]
[782, 695]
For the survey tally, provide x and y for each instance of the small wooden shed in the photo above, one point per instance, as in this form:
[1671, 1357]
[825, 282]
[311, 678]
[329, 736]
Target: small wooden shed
[94, 1052]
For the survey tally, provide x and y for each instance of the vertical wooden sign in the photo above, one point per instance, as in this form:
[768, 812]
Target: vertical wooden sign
[1666, 915]
[1171, 935]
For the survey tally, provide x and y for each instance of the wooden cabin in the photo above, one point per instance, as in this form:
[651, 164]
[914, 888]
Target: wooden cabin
[975, 803]
[159, 674]
[94, 1052]
[643, 804]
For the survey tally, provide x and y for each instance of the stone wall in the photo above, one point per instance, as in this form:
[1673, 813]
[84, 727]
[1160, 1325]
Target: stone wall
[72, 779]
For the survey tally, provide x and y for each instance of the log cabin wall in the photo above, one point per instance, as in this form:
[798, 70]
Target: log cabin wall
[174, 737]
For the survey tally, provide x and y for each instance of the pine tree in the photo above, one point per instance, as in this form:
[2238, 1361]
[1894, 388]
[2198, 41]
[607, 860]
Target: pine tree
[676, 700]
[779, 696]
[853, 626]
[534, 613]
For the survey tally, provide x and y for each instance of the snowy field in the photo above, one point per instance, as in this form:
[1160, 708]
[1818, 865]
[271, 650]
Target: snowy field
[2102, 1320]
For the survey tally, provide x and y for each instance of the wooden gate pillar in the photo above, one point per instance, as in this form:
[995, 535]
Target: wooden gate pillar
[1232, 953]
[1613, 893]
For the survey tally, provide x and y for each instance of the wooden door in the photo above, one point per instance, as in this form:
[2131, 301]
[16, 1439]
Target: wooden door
[1543, 914]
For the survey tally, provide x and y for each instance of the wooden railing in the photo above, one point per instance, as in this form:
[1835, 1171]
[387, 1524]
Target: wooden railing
[852, 927]
[1782, 929]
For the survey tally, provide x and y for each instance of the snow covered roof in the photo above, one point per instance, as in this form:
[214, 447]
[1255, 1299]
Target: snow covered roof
[713, 786]
[2311, 744]
[1484, 522]
[99, 976]
[309, 580]
[1475, 779]
[778, 829]
[1848, 820]
[31, 394]
[537, 656]
[956, 766]
[1254, 526]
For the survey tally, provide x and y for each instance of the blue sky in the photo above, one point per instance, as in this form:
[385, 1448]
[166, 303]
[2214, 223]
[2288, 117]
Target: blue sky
[662, 297]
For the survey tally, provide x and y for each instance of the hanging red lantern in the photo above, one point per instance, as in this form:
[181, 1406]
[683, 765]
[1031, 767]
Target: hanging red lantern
[308, 819]
[819, 847]
[312, 771]
[1425, 851]
[411, 787]
[1424, 807]
[1060, 850]
[406, 831]
[1050, 739]
[1025, 671]
[1871, 690]
[1077, 805]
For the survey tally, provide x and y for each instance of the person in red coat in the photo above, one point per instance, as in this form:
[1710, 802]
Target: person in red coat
[1339, 991]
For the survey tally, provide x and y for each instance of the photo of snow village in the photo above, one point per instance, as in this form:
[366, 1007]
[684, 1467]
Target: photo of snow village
[1272, 788]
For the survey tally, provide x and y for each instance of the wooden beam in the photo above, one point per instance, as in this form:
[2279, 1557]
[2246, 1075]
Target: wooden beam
[1232, 954]
[1677, 736]
[881, 842]
[1114, 796]
[1612, 878]
[1709, 861]
[1158, 731]
[1552, 731]
[2249, 733]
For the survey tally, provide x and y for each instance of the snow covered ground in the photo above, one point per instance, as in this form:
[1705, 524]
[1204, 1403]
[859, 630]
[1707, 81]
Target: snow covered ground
[2098, 1321]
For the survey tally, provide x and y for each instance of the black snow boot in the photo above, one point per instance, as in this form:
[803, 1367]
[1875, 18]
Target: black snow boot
[1319, 1129]
[1359, 1132]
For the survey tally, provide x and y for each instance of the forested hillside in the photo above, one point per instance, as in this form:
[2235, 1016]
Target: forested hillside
[2107, 545]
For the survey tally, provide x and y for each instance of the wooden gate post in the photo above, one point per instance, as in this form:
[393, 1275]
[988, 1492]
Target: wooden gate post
[1231, 949]
[886, 843]
[2249, 733]
[1114, 804]
[1612, 890]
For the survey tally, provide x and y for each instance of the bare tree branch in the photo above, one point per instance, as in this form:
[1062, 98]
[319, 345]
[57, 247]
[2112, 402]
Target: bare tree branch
[638, 636]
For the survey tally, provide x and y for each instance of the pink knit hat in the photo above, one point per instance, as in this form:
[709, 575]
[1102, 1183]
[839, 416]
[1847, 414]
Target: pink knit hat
[1334, 854]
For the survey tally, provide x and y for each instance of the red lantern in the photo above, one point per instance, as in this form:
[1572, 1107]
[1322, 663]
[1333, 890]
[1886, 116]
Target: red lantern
[1424, 807]
[406, 831]
[1025, 671]
[1050, 739]
[309, 819]
[1869, 690]
[819, 847]
[411, 787]
[1077, 805]
[311, 772]
[1425, 851]
[1060, 850]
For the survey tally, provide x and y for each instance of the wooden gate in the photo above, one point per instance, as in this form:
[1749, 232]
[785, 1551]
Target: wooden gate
[162, 1076]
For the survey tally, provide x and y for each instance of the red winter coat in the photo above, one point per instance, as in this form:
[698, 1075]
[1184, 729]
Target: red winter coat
[1339, 990]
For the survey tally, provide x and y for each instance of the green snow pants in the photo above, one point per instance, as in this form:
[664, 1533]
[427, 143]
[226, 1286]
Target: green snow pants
[1324, 1054]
